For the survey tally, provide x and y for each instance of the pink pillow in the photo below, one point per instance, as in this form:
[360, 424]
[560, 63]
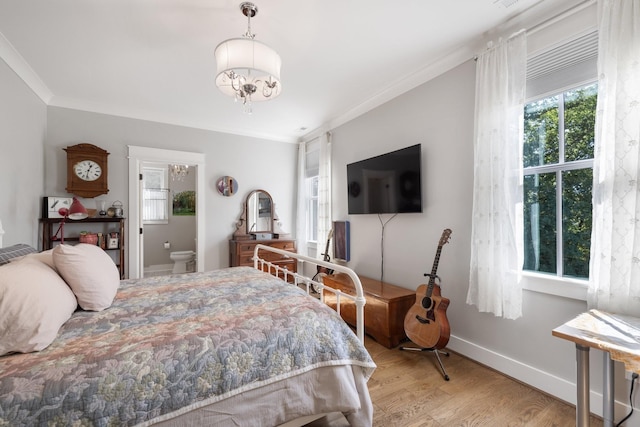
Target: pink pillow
[90, 273]
[34, 303]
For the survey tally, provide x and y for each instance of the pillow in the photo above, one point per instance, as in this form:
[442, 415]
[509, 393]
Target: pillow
[34, 303]
[90, 273]
[15, 251]
[45, 256]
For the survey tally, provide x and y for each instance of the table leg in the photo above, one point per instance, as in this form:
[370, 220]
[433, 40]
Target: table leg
[607, 391]
[582, 403]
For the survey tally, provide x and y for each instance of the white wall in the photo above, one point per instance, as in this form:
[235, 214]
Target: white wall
[23, 123]
[254, 163]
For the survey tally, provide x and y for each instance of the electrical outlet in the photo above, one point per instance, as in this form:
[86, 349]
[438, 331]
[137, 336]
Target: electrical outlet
[628, 375]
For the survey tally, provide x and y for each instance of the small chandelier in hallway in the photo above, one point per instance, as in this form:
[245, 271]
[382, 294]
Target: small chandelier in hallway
[178, 172]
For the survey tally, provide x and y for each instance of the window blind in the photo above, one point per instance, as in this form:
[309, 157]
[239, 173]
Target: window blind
[563, 66]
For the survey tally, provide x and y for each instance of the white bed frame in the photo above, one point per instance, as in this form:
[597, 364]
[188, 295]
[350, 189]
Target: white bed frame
[314, 285]
[311, 284]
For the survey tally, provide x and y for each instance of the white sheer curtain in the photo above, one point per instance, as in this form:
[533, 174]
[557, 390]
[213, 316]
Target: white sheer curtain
[496, 234]
[324, 193]
[301, 208]
[614, 283]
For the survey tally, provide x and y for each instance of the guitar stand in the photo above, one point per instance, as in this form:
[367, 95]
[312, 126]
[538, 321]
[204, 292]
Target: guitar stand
[435, 351]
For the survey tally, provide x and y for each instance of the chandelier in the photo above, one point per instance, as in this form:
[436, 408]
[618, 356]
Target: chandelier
[178, 172]
[247, 69]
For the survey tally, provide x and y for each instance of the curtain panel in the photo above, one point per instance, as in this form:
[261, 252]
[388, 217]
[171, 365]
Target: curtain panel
[614, 275]
[324, 193]
[496, 234]
[301, 203]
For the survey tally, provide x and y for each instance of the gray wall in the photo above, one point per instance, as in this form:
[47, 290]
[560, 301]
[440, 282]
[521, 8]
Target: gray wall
[23, 122]
[253, 162]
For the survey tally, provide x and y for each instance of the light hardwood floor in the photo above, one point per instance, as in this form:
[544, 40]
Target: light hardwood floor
[408, 390]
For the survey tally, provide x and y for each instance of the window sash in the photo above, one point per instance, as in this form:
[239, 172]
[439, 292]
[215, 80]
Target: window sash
[155, 196]
[565, 226]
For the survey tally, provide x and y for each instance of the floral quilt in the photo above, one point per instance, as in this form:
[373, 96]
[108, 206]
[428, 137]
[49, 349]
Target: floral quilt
[174, 342]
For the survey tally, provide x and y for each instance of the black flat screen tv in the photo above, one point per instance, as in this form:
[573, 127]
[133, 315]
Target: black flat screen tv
[389, 183]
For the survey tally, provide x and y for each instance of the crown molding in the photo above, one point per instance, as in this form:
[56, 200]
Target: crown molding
[151, 116]
[17, 63]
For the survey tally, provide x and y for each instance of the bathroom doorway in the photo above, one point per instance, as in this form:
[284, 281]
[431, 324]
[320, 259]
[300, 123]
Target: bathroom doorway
[168, 218]
[141, 158]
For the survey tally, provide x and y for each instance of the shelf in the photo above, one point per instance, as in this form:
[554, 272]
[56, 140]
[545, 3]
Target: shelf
[104, 225]
[96, 219]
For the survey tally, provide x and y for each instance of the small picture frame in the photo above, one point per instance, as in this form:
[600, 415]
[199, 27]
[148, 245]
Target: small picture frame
[51, 206]
[113, 240]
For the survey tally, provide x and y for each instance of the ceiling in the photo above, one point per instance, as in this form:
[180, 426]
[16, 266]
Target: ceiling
[153, 59]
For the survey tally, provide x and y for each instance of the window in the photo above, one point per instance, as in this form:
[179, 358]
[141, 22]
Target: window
[312, 209]
[312, 172]
[155, 208]
[558, 173]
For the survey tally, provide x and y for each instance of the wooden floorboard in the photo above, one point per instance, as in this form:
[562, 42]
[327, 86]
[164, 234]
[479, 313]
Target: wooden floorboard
[408, 390]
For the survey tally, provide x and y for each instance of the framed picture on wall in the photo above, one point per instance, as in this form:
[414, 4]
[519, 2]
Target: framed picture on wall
[51, 206]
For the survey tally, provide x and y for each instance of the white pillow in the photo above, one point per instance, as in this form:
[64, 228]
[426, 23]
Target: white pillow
[90, 273]
[44, 256]
[34, 303]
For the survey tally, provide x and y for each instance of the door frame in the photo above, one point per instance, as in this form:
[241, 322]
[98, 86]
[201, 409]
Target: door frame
[137, 157]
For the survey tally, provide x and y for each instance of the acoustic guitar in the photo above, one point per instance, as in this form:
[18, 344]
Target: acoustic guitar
[326, 256]
[426, 321]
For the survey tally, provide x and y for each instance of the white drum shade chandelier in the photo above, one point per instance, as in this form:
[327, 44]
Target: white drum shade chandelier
[247, 69]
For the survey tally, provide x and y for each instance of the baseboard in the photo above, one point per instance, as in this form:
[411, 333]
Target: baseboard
[541, 380]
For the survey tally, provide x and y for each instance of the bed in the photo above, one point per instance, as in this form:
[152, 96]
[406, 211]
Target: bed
[235, 346]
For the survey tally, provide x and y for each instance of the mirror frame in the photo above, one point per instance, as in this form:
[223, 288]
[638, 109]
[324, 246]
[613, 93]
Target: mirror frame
[243, 226]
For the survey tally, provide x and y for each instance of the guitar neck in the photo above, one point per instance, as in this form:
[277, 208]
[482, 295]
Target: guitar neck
[434, 269]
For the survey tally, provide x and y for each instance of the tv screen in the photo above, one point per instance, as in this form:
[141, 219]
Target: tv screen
[389, 183]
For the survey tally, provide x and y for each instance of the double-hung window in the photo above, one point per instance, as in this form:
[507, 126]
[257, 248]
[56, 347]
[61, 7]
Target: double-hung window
[312, 170]
[558, 159]
[558, 166]
[155, 197]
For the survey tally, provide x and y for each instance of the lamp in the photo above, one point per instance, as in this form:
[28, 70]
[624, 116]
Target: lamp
[76, 211]
[247, 69]
[178, 172]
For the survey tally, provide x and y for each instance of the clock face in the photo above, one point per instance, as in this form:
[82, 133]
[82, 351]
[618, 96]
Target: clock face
[87, 170]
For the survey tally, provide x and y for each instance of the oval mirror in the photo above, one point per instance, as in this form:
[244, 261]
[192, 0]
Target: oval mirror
[259, 209]
[227, 186]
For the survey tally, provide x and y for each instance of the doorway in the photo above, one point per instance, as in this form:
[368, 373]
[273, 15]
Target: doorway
[138, 158]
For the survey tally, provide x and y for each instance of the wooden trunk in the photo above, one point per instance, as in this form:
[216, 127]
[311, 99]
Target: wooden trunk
[384, 312]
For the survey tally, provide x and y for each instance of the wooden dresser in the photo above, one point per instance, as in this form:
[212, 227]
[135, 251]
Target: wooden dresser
[241, 252]
[385, 310]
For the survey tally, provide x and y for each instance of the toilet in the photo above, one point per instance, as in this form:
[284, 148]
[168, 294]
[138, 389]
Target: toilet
[180, 260]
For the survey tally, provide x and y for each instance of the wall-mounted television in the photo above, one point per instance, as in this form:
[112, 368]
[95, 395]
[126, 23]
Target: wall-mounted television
[388, 183]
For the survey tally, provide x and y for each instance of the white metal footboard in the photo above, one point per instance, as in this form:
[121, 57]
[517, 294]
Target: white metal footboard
[311, 284]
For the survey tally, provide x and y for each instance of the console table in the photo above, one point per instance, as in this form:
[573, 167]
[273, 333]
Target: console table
[619, 337]
[384, 312]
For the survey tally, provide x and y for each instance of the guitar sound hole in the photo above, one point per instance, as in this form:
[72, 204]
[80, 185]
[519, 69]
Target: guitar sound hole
[426, 302]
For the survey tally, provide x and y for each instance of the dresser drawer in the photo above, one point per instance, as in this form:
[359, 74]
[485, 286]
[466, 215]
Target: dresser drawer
[248, 247]
[241, 252]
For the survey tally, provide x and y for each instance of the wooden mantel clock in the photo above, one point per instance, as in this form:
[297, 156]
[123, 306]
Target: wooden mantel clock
[87, 170]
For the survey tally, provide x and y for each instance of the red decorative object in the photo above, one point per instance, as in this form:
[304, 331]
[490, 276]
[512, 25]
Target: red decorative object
[76, 211]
